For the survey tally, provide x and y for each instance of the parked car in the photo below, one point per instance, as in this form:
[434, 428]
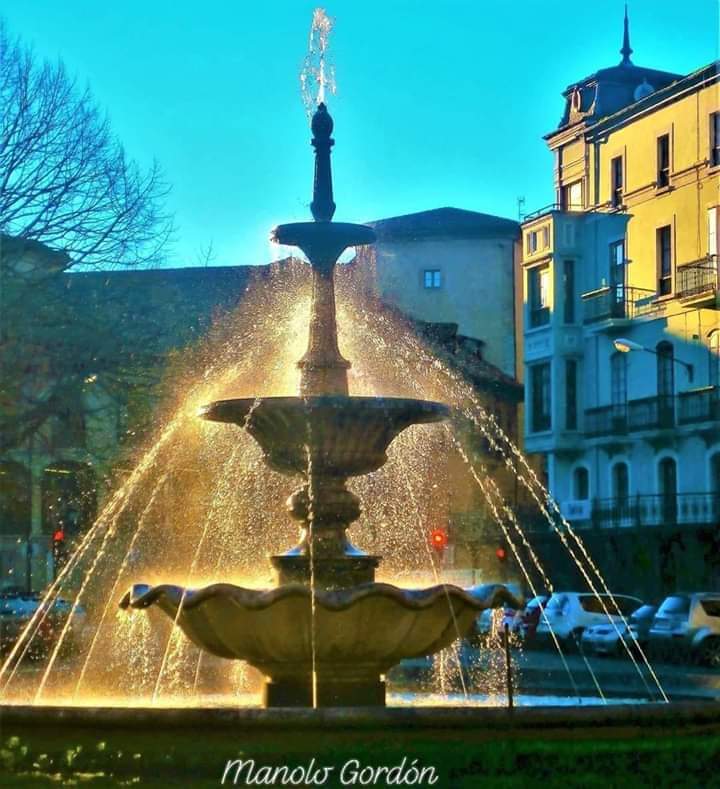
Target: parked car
[531, 616]
[607, 638]
[569, 614]
[17, 608]
[688, 625]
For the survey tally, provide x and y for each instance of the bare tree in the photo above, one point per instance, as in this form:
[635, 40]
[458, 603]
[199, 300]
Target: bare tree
[64, 178]
[70, 200]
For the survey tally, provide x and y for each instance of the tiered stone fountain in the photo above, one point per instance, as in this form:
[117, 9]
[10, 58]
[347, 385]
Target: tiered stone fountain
[326, 635]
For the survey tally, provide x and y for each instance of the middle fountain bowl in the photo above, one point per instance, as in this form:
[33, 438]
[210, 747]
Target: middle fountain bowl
[328, 633]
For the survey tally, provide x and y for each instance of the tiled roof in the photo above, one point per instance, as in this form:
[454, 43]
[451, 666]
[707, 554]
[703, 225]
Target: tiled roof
[444, 222]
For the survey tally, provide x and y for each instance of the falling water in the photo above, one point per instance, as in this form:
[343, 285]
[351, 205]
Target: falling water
[200, 505]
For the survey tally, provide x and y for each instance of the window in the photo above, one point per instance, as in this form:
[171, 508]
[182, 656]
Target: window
[715, 139]
[618, 388]
[621, 515]
[663, 161]
[713, 215]
[617, 278]
[621, 483]
[616, 181]
[714, 371]
[540, 384]
[667, 484]
[581, 484]
[432, 278]
[711, 607]
[715, 473]
[572, 197]
[571, 394]
[539, 288]
[538, 239]
[664, 259]
[665, 370]
[569, 291]
[15, 491]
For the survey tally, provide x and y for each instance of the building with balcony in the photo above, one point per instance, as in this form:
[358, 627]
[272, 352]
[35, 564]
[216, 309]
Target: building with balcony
[629, 251]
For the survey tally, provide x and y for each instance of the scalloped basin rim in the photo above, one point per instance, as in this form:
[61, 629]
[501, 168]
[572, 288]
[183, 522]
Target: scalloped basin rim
[481, 598]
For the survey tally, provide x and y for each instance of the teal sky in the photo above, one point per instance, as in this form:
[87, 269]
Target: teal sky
[438, 103]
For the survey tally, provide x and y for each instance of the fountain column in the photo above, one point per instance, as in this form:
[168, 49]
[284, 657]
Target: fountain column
[323, 369]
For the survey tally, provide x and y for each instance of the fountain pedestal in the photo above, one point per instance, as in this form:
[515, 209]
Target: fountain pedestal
[328, 633]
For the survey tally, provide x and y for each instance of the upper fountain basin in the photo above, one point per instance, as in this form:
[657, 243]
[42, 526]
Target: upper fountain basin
[347, 436]
[322, 242]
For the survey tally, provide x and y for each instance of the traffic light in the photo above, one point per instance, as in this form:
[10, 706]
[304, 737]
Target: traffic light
[501, 553]
[438, 539]
[59, 550]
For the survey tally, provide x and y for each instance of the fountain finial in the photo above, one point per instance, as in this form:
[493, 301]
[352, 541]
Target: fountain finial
[322, 206]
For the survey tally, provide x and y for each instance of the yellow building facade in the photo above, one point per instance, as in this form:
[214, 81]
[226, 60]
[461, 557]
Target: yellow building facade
[626, 259]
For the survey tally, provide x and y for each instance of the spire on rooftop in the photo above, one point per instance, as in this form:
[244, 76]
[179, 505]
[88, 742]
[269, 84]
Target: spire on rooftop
[626, 50]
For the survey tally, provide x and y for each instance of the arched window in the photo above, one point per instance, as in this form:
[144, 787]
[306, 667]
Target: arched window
[621, 494]
[68, 497]
[621, 482]
[581, 484]
[15, 500]
[667, 485]
[714, 377]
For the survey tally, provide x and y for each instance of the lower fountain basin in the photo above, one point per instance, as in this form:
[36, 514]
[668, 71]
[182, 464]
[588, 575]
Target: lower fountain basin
[348, 436]
[353, 637]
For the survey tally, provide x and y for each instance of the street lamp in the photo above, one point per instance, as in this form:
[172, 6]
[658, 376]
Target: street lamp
[625, 346]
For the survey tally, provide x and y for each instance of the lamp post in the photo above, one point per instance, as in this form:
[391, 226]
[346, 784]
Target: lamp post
[626, 346]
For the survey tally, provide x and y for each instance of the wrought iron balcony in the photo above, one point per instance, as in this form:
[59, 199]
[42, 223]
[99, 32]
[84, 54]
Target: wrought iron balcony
[616, 303]
[608, 420]
[650, 413]
[698, 278]
[701, 405]
[697, 509]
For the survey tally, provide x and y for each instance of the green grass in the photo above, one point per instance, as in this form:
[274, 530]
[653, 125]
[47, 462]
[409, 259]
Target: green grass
[463, 759]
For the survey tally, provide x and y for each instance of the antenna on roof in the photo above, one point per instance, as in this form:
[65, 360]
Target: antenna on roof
[626, 50]
[521, 208]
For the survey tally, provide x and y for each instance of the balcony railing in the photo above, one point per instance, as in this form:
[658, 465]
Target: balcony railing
[657, 510]
[546, 209]
[615, 303]
[607, 420]
[702, 405]
[650, 413]
[697, 278]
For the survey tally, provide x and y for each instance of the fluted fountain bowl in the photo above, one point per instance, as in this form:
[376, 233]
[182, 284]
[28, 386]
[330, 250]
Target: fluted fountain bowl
[348, 436]
[353, 637]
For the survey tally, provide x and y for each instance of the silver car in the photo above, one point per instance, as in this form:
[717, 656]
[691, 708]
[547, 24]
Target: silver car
[607, 639]
[688, 625]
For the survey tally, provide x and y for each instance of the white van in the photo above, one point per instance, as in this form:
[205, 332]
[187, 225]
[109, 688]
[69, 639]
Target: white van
[569, 613]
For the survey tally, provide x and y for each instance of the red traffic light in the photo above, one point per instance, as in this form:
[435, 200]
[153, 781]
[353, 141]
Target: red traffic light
[501, 553]
[438, 539]
[58, 535]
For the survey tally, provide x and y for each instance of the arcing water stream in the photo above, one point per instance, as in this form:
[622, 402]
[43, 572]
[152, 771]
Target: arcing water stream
[200, 506]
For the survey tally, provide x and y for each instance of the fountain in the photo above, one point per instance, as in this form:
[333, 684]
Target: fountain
[327, 634]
